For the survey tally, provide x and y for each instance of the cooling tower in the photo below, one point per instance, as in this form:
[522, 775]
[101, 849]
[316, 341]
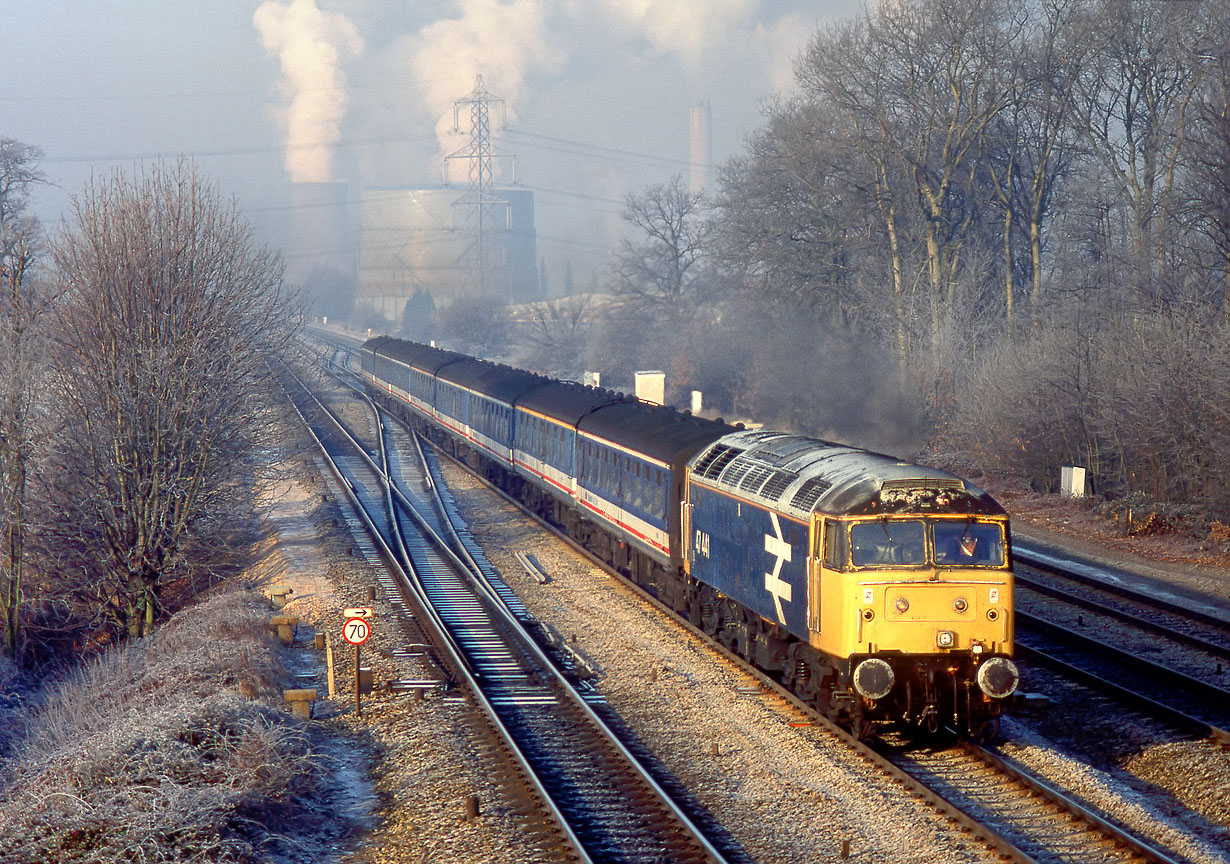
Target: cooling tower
[321, 237]
[426, 238]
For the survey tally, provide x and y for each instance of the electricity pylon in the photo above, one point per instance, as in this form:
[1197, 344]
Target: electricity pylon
[485, 258]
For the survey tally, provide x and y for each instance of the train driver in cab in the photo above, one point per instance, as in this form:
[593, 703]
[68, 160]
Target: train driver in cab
[963, 549]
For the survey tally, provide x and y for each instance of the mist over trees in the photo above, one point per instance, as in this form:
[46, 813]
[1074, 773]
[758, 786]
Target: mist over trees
[999, 229]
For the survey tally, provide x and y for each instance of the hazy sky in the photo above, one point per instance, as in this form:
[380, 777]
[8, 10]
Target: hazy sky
[596, 93]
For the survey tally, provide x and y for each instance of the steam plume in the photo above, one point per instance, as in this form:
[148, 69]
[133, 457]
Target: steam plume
[684, 27]
[503, 42]
[310, 44]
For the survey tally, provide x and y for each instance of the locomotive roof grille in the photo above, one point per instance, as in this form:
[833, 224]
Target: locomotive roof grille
[755, 477]
[809, 493]
[777, 484]
[715, 460]
[734, 473]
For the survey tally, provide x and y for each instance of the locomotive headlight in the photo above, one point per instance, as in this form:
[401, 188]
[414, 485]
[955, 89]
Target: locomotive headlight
[873, 678]
[901, 605]
[998, 677]
[945, 638]
[960, 604]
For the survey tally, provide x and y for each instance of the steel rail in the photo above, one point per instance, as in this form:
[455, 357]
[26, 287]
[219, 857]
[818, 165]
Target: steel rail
[531, 647]
[457, 663]
[1069, 804]
[1126, 617]
[1201, 690]
[1089, 575]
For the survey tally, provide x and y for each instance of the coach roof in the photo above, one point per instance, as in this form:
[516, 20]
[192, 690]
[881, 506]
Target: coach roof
[567, 401]
[660, 432]
[492, 379]
[422, 357]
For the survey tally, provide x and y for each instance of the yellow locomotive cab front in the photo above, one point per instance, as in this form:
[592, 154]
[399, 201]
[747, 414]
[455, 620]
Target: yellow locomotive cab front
[917, 605]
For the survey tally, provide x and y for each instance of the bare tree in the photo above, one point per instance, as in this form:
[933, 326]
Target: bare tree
[1144, 67]
[790, 210]
[917, 86]
[21, 306]
[170, 315]
[554, 333]
[1208, 196]
[1031, 145]
[658, 269]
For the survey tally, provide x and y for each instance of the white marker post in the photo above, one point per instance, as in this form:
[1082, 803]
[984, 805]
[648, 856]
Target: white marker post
[356, 631]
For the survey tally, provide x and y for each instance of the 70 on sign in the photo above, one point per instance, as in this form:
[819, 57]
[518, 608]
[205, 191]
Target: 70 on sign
[356, 631]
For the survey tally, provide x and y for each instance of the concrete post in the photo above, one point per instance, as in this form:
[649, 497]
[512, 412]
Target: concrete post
[285, 625]
[300, 702]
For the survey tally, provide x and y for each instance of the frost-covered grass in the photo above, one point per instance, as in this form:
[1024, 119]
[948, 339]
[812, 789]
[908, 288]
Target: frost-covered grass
[170, 749]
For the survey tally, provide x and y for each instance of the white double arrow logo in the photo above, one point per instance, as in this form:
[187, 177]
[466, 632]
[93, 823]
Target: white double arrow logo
[773, 583]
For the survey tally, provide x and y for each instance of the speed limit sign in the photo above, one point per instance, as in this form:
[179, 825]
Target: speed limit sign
[356, 631]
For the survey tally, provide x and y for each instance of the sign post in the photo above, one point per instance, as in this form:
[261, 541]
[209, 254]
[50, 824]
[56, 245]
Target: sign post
[356, 631]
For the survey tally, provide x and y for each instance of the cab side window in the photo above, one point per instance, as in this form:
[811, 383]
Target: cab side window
[834, 545]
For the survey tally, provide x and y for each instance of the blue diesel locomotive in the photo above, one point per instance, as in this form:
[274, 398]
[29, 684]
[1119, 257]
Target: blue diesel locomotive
[877, 589]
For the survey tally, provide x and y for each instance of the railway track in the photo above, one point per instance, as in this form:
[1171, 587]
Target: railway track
[1164, 658]
[1184, 619]
[1028, 819]
[587, 797]
[1018, 815]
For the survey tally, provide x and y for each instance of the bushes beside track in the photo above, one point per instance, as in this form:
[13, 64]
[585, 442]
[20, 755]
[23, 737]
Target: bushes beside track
[173, 748]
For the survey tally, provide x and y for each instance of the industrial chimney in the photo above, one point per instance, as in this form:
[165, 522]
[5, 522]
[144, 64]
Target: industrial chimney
[700, 149]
